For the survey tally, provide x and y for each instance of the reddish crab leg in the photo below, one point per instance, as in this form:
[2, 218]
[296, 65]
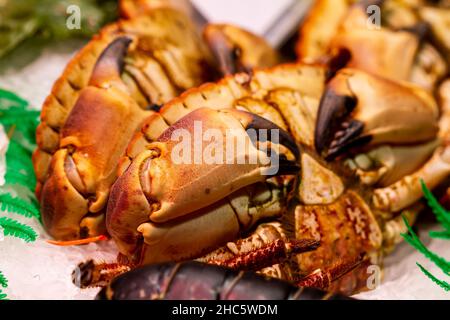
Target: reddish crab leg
[322, 279]
[268, 255]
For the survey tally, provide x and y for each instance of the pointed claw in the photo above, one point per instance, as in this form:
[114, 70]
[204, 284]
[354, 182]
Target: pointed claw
[331, 133]
[110, 64]
[260, 124]
[267, 131]
[355, 111]
[286, 167]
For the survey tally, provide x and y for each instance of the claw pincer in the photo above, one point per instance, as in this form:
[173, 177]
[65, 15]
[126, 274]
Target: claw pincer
[359, 109]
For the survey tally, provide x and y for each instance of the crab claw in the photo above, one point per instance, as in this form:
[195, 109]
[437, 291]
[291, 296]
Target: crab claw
[237, 50]
[83, 169]
[359, 109]
[178, 194]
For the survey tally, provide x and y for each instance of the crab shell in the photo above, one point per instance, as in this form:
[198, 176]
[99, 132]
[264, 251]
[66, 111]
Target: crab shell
[155, 30]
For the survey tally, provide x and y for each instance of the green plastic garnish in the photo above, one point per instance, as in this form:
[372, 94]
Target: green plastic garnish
[443, 217]
[20, 122]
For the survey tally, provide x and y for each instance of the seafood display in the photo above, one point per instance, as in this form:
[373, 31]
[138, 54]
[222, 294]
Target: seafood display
[341, 140]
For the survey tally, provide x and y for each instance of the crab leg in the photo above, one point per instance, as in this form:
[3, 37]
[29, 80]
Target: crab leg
[267, 255]
[266, 250]
[322, 279]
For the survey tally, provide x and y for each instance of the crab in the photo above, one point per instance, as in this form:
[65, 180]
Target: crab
[161, 211]
[334, 172]
[126, 72]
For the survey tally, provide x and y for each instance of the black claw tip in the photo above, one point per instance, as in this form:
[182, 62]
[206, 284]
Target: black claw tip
[332, 131]
[111, 61]
[285, 138]
[253, 121]
[286, 167]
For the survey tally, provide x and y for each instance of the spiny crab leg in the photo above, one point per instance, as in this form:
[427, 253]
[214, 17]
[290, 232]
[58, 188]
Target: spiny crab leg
[158, 199]
[267, 249]
[90, 274]
[268, 255]
[355, 111]
[322, 279]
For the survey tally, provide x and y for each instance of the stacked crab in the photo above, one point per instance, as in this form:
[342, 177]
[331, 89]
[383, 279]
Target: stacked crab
[361, 118]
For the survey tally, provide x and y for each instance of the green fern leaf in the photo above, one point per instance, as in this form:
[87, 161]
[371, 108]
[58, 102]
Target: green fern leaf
[16, 229]
[440, 235]
[14, 177]
[443, 284]
[10, 96]
[18, 205]
[3, 296]
[441, 214]
[21, 119]
[20, 165]
[19, 157]
[16, 149]
[22, 129]
[414, 241]
[29, 132]
[3, 281]
[19, 113]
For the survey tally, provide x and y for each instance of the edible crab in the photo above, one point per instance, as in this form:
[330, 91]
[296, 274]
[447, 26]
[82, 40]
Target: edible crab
[342, 169]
